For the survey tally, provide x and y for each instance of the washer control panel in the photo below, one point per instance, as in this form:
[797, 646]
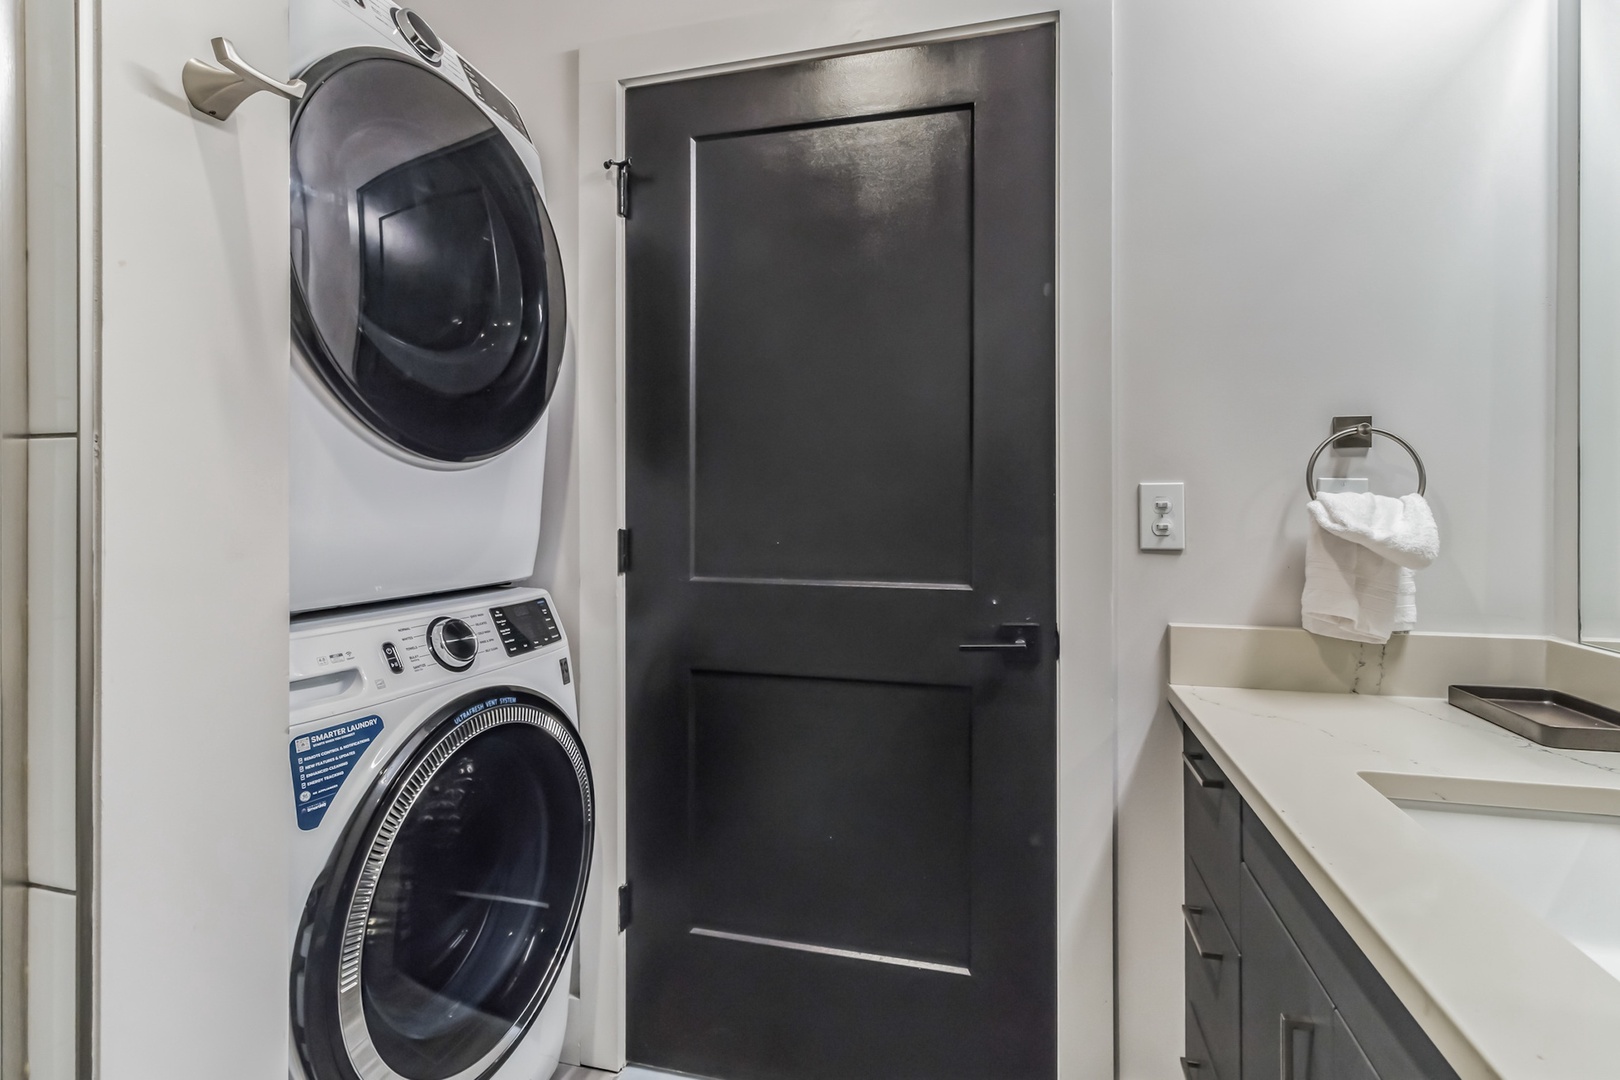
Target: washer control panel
[402, 24]
[352, 659]
[498, 103]
[525, 627]
[452, 643]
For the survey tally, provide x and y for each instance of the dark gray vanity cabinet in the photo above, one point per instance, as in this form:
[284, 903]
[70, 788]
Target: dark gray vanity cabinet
[1276, 988]
[1290, 1027]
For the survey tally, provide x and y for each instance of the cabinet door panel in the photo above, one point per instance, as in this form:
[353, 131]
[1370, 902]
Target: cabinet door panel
[1346, 1061]
[1287, 1016]
[1384, 1029]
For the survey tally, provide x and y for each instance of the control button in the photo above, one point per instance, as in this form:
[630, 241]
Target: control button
[391, 654]
[452, 643]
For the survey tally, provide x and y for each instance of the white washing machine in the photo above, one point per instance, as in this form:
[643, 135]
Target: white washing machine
[429, 319]
[442, 822]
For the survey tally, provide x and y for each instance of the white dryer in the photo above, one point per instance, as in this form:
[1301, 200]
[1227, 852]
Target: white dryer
[429, 319]
[442, 820]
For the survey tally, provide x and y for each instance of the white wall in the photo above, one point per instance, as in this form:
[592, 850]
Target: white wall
[1320, 209]
[191, 874]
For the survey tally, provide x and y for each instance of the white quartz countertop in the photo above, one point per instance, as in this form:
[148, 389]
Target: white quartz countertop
[1500, 992]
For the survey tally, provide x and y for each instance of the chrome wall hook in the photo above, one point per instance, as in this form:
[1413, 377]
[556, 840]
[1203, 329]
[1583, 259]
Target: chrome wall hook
[217, 93]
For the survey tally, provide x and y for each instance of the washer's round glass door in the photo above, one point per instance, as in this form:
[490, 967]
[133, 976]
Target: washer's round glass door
[451, 903]
[427, 285]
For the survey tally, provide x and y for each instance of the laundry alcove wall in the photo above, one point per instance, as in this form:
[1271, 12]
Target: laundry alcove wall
[184, 283]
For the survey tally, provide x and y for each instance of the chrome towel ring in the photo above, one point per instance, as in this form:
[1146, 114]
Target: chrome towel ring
[1365, 431]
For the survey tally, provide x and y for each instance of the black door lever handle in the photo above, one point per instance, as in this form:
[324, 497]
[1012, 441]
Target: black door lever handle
[1018, 645]
[1015, 638]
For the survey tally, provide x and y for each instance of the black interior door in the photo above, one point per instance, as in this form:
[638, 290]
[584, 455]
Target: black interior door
[841, 468]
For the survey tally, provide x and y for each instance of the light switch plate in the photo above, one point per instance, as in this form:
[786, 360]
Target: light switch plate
[1162, 514]
[1342, 483]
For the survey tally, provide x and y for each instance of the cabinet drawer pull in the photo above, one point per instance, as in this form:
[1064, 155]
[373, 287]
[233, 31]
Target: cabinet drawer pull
[1204, 781]
[1187, 916]
[1189, 1067]
[1287, 1028]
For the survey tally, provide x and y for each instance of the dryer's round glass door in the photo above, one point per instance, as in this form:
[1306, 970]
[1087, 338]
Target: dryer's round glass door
[455, 901]
[427, 285]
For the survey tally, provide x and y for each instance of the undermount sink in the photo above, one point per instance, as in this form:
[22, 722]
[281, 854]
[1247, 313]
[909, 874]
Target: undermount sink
[1554, 850]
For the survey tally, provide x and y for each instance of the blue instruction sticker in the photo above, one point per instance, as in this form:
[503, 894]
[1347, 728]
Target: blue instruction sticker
[322, 760]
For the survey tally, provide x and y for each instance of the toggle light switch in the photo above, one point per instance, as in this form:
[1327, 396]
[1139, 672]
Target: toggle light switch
[1162, 510]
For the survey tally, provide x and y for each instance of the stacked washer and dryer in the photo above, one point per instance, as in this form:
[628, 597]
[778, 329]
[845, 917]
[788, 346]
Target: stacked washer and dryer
[441, 799]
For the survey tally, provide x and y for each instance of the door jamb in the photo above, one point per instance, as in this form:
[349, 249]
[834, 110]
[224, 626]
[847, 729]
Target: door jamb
[1085, 769]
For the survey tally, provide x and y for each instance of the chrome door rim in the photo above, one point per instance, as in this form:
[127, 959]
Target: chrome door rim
[363, 1055]
[310, 352]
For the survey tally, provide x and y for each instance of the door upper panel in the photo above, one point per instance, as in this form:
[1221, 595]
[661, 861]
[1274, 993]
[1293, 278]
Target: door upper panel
[832, 338]
[427, 285]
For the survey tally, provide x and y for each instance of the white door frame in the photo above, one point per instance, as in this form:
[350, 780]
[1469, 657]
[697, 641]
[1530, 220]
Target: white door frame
[1085, 766]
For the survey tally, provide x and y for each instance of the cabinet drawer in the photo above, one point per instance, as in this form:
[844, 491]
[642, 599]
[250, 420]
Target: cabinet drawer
[1198, 1064]
[1214, 827]
[1287, 1016]
[1382, 1029]
[1214, 978]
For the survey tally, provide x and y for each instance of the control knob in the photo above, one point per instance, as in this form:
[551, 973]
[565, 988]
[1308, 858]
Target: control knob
[415, 29]
[452, 643]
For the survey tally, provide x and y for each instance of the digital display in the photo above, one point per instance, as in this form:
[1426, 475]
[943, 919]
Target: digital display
[523, 627]
[530, 622]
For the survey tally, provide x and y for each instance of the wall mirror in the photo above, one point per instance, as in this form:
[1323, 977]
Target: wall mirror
[1600, 323]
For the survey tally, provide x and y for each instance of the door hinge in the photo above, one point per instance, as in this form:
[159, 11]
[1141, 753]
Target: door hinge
[624, 551]
[623, 181]
[1057, 644]
[624, 907]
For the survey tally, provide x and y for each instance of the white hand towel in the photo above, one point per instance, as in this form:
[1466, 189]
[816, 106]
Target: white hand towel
[1359, 559]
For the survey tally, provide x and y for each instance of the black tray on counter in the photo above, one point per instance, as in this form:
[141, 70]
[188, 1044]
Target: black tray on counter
[1549, 717]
